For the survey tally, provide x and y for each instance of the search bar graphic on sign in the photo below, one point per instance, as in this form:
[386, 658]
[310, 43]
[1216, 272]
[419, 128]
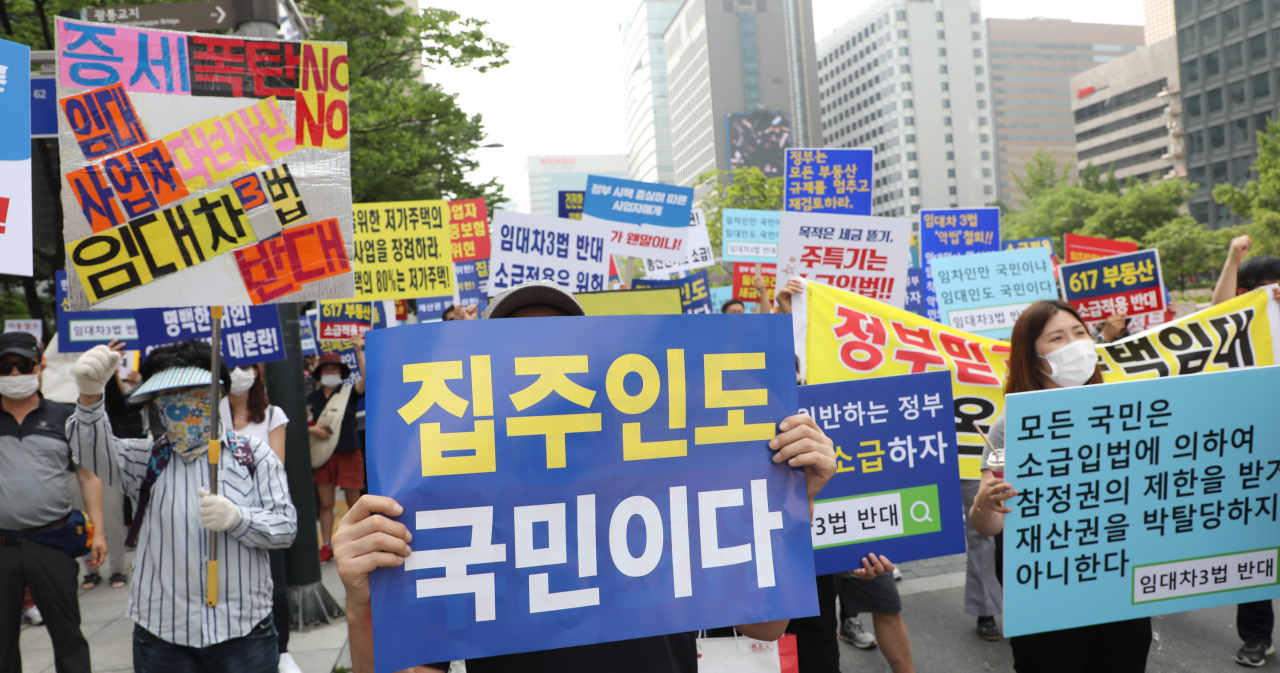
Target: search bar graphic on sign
[875, 516]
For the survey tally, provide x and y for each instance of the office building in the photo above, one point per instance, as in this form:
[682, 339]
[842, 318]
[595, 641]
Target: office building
[549, 175]
[1227, 55]
[740, 85]
[1158, 22]
[906, 78]
[1030, 64]
[1125, 114]
[645, 83]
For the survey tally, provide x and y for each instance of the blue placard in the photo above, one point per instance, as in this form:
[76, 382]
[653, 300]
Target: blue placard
[897, 486]
[547, 446]
[1020, 243]
[829, 181]
[749, 235]
[250, 334]
[719, 295]
[635, 202]
[984, 294]
[1105, 276]
[571, 204]
[15, 136]
[472, 288]
[432, 308]
[958, 231]
[694, 294]
[306, 336]
[78, 331]
[1141, 498]
[44, 107]
[916, 293]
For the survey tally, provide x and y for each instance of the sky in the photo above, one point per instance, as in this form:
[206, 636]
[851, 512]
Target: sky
[562, 91]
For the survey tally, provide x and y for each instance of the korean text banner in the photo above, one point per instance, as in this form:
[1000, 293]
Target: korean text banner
[958, 231]
[916, 295]
[469, 230]
[896, 490]
[402, 250]
[1079, 248]
[986, 293]
[828, 181]
[1141, 498]
[694, 294]
[306, 335]
[341, 320]
[1021, 243]
[744, 281]
[534, 247]
[1128, 284]
[250, 334]
[698, 255]
[749, 235]
[634, 202]
[841, 336]
[78, 331]
[867, 255]
[202, 169]
[15, 159]
[595, 479]
[570, 204]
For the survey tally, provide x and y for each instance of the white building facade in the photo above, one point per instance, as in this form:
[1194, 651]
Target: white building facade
[648, 108]
[549, 175]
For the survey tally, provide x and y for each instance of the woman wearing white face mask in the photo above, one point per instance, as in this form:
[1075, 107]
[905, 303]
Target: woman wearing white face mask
[1051, 348]
[336, 451]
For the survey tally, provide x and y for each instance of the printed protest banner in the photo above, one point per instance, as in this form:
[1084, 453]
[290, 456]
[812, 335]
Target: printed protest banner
[699, 256]
[432, 308]
[1127, 284]
[179, 148]
[307, 336]
[720, 295]
[1023, 243]
[694, 294]
[657, 301]
[534, 247]
[78, 331]
[506, 432]
[643, 219]
[958, 231]
[15, 159]
[33, 327]
[916, 294]
[341, 320]
[749, 235]
[1079, 248]
[1140, 498]
[829, 181]
[984, 294]
[469, 230]
[571, 204]
[250, 334]
[471, 284]
[403, 250]
[896, 491]
[867, 255]
[744, 281]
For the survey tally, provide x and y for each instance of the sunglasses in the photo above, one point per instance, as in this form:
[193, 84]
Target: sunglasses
[24, 367]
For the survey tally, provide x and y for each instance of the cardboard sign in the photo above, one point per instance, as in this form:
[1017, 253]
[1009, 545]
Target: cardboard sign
[403, 250]
[1079, 248]
[749, 235]
[829, 181]
[985, 294]
[867, 255]
[1126, 284]
[534, 247]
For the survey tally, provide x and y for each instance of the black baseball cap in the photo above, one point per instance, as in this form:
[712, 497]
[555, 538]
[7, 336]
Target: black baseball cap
[19, 343]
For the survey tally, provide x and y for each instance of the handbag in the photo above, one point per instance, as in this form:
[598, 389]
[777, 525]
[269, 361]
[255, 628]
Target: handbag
[74, 537]
[330, 417]
[741, 654]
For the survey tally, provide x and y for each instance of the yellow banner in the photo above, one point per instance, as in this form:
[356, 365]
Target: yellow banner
[658, 301]
[402, 250]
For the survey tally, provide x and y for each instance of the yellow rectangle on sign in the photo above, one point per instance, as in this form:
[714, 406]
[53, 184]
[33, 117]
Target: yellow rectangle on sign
[402, 250]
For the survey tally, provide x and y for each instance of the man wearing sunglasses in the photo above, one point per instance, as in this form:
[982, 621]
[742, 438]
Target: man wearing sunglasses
[35, 462]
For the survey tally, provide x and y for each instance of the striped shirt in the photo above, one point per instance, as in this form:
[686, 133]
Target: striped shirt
[168, 582]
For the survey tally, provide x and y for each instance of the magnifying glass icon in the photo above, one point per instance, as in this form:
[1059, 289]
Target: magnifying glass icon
[919, 519]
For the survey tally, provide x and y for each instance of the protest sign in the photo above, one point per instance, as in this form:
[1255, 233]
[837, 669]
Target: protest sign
[984, 294]
[1125, 284]
[829, 181]
[559, 443]
[469, 230]
[1077, 248]
[250, 334]
[744, 281]
[657, 301]
[33, 327]
[183, 179]
[402, 249]
[915, 302]
[694, 295]
[534, 247]
[642, 219]
[384, 314]
[571, 204]
[749, 235]
[958, 231]
[307, 336]
[867, 255]
[15, 159]
[720, 295]
[347, 351]
[1140, 498]
[432, 308]
[699, 255]
[1022, 243]
[471, 283]
[341, 320]
[896, 491]
[78, 331]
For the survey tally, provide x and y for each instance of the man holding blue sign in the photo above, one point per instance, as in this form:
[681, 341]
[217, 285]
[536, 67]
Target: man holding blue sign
[368, 539]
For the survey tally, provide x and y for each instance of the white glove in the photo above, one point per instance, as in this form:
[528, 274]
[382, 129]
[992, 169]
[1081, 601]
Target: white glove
[94, 368]
[216, 512]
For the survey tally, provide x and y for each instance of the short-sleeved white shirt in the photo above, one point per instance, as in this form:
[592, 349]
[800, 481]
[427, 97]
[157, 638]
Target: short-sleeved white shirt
[273, 419]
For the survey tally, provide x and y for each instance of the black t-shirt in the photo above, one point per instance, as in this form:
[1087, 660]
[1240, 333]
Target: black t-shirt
[677, 653]
[348, 440]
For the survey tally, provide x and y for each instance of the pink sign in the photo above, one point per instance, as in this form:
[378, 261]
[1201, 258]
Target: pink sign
[145, 61]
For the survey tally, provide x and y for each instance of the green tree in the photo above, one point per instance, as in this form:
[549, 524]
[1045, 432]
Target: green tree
[742, 188]
[1092, 179]
[1142, 207]
[1259, 201]
[1187, 249]
[1040, 175]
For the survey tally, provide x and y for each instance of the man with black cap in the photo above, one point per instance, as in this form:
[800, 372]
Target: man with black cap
[366, 540]
[35, 460]
[174, 629]
[336, 449]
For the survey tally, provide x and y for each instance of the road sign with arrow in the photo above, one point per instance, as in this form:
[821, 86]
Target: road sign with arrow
[210, 15]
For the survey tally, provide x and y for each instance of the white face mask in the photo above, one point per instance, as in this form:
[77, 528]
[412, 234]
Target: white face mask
[1072, 364]
[331, 380]
[19, 386]
[242, 381]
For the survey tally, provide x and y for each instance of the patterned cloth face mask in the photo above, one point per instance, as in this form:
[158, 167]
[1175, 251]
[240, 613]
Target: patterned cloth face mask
[186, 418]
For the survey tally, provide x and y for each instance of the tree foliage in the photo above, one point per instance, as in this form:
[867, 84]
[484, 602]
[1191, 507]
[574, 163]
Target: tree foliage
[1040, 175]
[1260, 199]
[1187, 249]
[741, 188]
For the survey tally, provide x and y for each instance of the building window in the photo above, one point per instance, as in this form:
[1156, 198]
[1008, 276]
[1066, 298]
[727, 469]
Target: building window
[1253, 11]
[982, 121]
[951, 172]
[1258, 49]
[903, 51]
[1262, 122]
[977, 37]
[977, 53]
[977, 70]
[1217, 137]
[946, 86]
[901, 15]
[905, 69]
[1195, 143]
[915, 209]
[942, 51]
[942, 69]
[986, 156]
[1240, 134]
[1200, 211]
[1223, 213]
[942, 35]
[1187, 38]
[902, 34]
[946, 121]
[1231, 21]
[1190, 72]
[1196, 176]
[986, 173]
[1186, 8]
[982, 104]
[906, 103]
[911, 138]
[906, 86]
[913, 173]
[938, 16]
[915, 191]
[1209, 31]
[948, 139]
[980, 87]
[946, 102]
[984, 138]
[950, 190]
[1261, 86]
[1235, 57]
[1243, 166]
[1236, 93]
[1212, 65]
[973, 18]
[910, 121]
[986, 189]
[1213, 100]
[1219, 171]
[951, 156]
[1192, 107]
